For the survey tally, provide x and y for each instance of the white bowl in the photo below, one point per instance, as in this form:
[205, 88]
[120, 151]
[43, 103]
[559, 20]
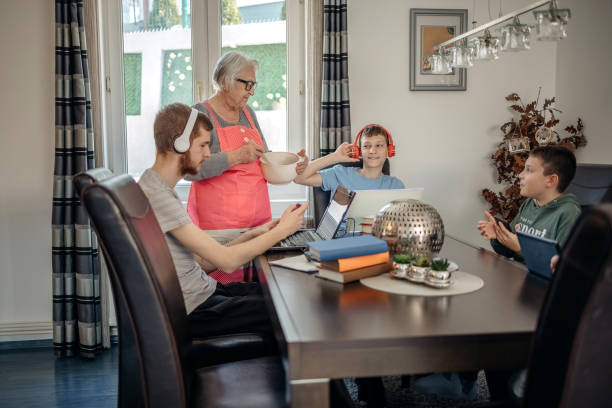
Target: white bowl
[279, 167]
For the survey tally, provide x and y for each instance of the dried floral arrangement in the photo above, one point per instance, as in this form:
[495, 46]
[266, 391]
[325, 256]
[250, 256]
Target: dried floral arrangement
[520, 137]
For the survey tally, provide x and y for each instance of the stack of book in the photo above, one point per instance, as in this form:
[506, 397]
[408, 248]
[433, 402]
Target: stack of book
[348, 259]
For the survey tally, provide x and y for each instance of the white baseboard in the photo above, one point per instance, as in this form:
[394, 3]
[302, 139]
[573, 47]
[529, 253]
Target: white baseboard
[26, 331]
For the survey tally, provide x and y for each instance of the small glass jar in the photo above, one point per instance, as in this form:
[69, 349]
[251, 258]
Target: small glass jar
[516, 37]
[461, 56]
[439, 63]
[550, 24]
[486, 48]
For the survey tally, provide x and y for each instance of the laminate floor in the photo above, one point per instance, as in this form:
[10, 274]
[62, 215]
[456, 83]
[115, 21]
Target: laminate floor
[36, 378]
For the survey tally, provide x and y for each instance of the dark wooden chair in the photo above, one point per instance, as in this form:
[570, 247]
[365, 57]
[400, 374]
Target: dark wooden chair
[160, 364]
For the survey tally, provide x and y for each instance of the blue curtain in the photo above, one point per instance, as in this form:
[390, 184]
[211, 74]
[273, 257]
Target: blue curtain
[77, 326]
[335, 107]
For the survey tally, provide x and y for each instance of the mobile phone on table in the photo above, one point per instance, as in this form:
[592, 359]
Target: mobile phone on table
[506, 223]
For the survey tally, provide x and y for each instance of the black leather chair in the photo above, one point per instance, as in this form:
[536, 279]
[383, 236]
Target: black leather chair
[167, 368]
[571, 364]
[592, 184]
[321, 198]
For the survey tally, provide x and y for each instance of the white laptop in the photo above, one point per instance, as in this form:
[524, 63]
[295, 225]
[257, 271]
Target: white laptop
[368, 202]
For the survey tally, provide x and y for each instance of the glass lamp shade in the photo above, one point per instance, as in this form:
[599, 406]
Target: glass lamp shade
[486, 48]
[515, 37]
[461, 56]
[550, 24]
[439, 64]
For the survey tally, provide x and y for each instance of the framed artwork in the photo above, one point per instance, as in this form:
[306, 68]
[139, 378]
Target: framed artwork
[428, 28]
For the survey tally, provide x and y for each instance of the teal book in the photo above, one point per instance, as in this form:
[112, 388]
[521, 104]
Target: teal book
[348, 247]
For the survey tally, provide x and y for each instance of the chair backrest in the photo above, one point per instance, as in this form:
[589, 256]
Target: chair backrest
[131, 386]
[143, 276]
[321, 198]
[570, 358]
[592, 184]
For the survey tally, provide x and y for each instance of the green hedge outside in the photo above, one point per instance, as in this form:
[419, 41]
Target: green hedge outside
[177, 77]
[177, 74]
[132, 64]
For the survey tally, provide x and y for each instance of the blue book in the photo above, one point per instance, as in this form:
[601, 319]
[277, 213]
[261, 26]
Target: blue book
[348, 247]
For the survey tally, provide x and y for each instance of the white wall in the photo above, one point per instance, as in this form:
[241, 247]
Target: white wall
[584, 66]
[26, 146]
[444, 139]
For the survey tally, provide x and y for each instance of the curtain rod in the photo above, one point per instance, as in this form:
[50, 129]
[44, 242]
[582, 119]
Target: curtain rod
[494, 22]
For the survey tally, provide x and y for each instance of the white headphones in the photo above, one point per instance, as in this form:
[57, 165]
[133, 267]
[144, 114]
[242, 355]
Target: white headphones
[181, 143]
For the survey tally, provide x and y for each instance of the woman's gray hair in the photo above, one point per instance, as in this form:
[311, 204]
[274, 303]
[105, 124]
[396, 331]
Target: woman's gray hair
[227, 68]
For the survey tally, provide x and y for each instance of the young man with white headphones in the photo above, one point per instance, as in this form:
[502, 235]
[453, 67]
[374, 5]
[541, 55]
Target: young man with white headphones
[182, 140]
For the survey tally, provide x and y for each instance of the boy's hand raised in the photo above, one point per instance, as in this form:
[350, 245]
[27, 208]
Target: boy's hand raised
[292, 219]
[344, 153]
[487, 228]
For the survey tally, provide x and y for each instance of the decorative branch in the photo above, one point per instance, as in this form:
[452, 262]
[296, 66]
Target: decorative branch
[509, 164]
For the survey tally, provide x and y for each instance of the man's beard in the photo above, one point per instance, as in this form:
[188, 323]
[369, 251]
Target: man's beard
[188, 166]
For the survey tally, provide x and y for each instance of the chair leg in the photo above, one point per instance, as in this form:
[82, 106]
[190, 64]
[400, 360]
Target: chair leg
[371, 390]
[339, 395]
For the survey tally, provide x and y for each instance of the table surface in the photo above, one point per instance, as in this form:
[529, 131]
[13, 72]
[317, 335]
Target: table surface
[329, 330]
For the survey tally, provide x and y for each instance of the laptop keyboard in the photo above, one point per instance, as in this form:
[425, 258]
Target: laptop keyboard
[300, 238]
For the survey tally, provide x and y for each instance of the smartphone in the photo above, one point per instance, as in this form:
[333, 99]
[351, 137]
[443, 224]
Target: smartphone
[506, 223]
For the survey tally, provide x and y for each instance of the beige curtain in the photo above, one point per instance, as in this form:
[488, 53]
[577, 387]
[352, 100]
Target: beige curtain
[92, 31]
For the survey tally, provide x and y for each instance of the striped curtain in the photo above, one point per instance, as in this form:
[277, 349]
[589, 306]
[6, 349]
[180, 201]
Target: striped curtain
[77, 327]
[335, 108]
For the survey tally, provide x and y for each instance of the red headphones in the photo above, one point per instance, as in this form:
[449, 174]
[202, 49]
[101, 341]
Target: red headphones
[357, 148]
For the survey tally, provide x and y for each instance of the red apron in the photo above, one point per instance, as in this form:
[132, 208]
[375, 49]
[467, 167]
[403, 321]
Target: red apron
[237, 198]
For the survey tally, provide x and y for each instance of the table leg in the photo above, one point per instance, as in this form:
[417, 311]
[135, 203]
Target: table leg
[310, 393]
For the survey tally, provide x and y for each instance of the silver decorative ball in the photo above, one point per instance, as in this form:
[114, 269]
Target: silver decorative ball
[410, 227]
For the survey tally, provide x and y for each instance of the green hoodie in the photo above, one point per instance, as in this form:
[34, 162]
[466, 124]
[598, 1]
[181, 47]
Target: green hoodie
[553, 221]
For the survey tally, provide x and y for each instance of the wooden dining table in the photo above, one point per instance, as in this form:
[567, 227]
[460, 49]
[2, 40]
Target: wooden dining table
[327, 330]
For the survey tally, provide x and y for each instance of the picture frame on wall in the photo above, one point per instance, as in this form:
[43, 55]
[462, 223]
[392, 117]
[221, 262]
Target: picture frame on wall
[428, 28]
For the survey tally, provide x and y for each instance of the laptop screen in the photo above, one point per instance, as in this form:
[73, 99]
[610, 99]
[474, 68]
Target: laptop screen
[334, 213]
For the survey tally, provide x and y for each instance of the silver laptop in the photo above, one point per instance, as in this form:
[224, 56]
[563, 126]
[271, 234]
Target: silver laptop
[327, 228]
[369, 202]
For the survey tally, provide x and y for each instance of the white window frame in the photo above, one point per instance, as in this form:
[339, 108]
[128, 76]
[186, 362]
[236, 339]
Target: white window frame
[207, 17]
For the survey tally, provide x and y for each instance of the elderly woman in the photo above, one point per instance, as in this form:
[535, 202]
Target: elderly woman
[229, 193]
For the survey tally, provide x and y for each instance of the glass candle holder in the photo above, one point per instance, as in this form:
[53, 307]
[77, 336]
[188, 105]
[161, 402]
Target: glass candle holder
[515, 37]
[461, 56]
[551, 23]
[486, 48]
[439, 64]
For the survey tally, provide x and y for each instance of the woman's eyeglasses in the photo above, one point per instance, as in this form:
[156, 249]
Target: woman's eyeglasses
[248, 85]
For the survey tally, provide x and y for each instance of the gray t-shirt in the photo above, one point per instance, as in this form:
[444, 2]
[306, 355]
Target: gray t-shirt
[196, 285]
[217, 163]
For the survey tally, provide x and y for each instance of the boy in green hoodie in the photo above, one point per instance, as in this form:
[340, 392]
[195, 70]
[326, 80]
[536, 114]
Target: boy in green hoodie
[547, 212]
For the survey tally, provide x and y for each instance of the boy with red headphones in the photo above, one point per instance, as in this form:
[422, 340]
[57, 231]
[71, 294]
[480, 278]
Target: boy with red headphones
[373, 144]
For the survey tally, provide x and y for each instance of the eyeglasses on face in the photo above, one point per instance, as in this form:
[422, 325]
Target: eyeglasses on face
[248, 85]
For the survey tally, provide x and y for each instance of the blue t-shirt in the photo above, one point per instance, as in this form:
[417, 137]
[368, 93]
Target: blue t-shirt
[350, 178]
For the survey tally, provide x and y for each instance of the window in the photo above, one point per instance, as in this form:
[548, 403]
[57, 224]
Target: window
[163, 51]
